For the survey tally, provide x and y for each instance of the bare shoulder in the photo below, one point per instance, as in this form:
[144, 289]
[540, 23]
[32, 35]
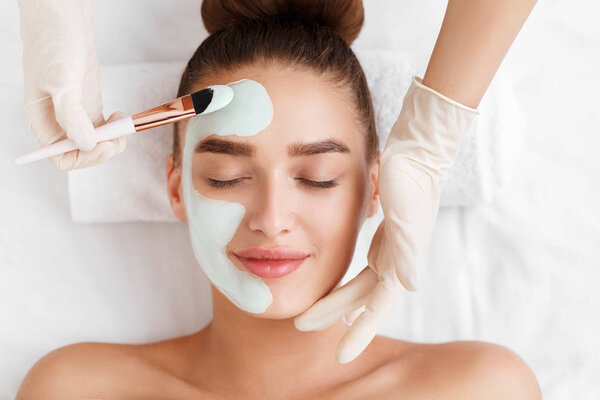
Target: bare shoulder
[86, 368]
[466, 369]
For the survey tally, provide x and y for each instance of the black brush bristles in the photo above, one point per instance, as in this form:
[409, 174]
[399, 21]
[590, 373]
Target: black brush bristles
[201, 99]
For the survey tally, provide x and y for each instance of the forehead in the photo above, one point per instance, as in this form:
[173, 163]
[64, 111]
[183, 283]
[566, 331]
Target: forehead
[306, 108]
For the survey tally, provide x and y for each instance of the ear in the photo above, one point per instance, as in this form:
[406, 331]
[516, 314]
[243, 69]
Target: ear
[373, 205]
[174, 189]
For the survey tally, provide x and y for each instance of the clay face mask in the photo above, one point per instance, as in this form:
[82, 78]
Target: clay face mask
[213, 223]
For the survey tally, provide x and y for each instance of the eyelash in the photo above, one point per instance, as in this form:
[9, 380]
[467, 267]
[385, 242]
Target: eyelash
[312, 184]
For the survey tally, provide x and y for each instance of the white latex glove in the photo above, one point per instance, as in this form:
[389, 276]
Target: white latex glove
[420, 148]
[62, 85]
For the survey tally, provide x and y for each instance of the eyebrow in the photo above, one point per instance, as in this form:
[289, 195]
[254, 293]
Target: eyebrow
[222, 146]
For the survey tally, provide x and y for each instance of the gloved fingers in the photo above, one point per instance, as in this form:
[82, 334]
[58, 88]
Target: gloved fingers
[364, 328]
[113, 117]
[391, 250]
[79, 159]
[407, 272]
[73, 118]
[341, 301]
[350, 317]
[375, 248]
[120, 142]
[102, 152]
[400, 256]
[91, 81]
[42, 122]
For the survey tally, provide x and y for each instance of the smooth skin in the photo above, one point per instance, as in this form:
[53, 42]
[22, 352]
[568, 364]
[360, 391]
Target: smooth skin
[265, 364]
[239, 355]
[474, 39]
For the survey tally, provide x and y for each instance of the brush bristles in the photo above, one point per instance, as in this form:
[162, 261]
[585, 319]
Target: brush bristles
[201, 100]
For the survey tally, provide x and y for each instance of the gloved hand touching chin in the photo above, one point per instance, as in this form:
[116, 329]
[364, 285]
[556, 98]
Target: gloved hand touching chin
[422, 145]
[62, 87]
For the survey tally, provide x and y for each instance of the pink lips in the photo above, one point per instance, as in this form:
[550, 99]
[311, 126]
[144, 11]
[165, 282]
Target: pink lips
[271, 263]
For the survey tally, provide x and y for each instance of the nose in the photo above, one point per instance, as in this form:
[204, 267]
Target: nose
[271, 208]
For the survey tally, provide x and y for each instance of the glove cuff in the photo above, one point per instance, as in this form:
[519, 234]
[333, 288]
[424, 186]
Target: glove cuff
[429, 128]
[417, 81]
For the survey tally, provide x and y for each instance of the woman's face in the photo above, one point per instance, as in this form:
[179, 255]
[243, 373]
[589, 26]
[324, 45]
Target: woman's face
[303, 181]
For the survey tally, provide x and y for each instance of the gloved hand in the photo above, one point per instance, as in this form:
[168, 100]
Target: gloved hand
[422, 145]
[62, 86]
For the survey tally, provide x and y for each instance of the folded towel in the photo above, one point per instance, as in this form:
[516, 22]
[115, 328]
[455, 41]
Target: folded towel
[132, 186]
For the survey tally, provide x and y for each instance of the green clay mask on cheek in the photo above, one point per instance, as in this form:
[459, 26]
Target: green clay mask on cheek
[213, 223]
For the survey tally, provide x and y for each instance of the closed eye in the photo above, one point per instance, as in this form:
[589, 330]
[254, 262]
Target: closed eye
[319, 184]
[312, 184]
[222, 184]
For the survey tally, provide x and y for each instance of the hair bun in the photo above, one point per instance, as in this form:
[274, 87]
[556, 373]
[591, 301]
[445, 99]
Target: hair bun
[345, 17]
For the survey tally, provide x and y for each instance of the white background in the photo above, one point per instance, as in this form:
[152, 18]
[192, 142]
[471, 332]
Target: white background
[522, 271]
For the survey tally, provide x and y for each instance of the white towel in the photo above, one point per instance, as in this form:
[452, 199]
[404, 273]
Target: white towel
[132, 186]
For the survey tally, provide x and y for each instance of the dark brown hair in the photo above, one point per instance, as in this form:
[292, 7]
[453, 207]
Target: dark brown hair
[314, 34]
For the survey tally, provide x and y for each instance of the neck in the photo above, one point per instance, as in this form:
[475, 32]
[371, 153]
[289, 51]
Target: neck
[267, 356]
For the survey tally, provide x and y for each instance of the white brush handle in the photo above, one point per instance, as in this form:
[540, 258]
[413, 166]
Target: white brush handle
[121, 127]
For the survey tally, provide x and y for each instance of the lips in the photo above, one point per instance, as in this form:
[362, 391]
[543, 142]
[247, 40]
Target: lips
[271, 263]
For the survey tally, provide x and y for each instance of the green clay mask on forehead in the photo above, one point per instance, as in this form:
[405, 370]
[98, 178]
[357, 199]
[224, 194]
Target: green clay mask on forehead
[213, 223]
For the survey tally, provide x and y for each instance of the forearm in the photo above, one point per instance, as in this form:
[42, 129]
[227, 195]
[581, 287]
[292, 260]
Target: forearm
[473, 40]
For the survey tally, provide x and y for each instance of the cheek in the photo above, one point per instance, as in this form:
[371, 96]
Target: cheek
[338, 216]
[331, 222]
[335, 224]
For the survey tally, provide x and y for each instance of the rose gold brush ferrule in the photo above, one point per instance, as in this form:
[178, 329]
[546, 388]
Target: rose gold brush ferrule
[178, 109]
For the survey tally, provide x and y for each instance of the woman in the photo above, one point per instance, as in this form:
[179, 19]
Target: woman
[298, 195]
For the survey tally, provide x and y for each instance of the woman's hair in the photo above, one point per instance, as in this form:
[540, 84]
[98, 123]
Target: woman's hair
[313, 34]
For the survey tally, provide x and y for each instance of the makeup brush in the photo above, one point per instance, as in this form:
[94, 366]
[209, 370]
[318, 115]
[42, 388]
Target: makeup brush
[205, 101]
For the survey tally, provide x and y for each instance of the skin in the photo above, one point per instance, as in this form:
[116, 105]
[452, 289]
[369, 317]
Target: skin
[282, 207]
[267, 356]
[473, 40]
[240, 355]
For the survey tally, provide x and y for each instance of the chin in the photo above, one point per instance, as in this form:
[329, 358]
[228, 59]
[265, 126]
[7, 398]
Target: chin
[287, 306]
[282, 314]
[276, 311]
[296, 293]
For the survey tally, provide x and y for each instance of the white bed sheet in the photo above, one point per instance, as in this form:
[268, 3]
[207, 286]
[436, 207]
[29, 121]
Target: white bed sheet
[522, 271]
